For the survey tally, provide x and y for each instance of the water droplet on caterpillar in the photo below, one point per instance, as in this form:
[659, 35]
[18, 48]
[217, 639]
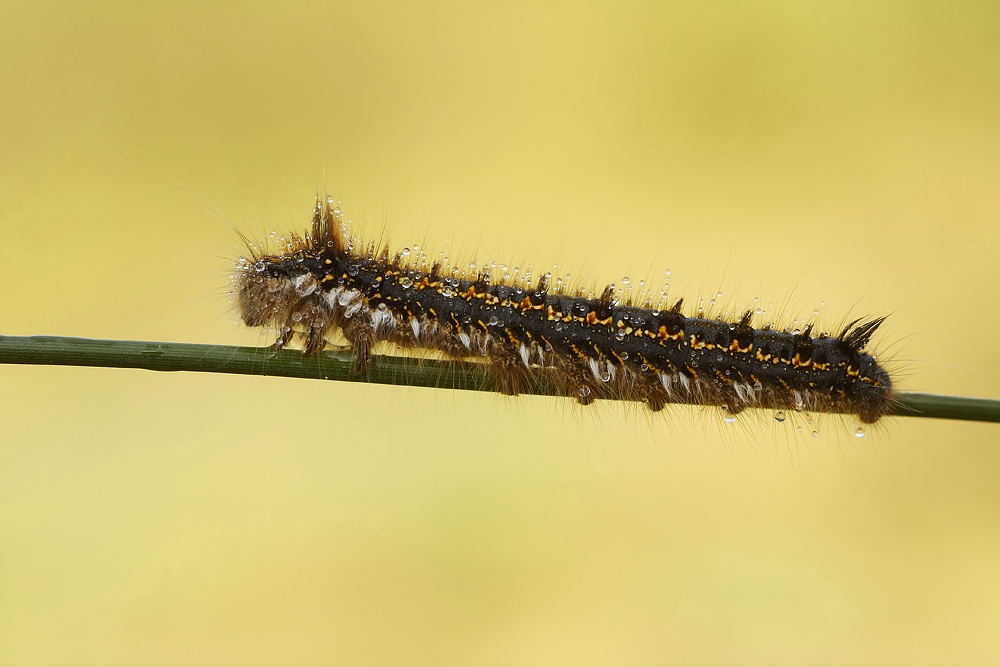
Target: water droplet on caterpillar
[406, 282]
[406, 252]
[859, 432]
[779, 416]
[584, 391]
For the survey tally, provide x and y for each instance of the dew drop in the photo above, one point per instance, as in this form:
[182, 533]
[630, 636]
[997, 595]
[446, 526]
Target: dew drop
[406, 282]
[406, 251]
[815, 434]
[382, 307]
[624, 356]
[584, 391]
[729, 419]
[779, 416]
[625, 280]
[859, 432]
[605, 376]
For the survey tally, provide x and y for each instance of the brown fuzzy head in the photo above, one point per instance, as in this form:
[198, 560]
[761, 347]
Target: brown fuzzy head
[263, 297]
[271, 290]
[279, 289]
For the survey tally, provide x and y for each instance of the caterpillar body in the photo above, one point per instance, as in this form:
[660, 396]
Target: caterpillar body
[595, 346]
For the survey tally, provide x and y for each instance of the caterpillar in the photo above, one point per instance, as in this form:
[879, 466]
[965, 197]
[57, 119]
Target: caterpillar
[324, 283]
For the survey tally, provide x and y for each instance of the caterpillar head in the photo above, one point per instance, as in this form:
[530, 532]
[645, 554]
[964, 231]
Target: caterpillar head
[270, 290]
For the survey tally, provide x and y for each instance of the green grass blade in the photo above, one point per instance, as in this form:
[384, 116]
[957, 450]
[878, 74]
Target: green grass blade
[339, 365]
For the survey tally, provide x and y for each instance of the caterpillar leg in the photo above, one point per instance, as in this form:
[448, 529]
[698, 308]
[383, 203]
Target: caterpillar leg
[512, 376]
[362, 341]
[315, 341]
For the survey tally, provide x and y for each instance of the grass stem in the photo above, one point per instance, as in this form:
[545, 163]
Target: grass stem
[339, 365]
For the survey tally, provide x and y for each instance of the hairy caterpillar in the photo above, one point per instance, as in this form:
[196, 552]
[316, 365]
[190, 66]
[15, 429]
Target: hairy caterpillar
[322, 284]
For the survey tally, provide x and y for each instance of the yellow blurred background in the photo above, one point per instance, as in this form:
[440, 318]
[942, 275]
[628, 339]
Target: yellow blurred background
[808, 153]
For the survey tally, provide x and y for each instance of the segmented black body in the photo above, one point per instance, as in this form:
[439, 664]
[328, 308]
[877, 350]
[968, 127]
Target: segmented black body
[596, 347]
